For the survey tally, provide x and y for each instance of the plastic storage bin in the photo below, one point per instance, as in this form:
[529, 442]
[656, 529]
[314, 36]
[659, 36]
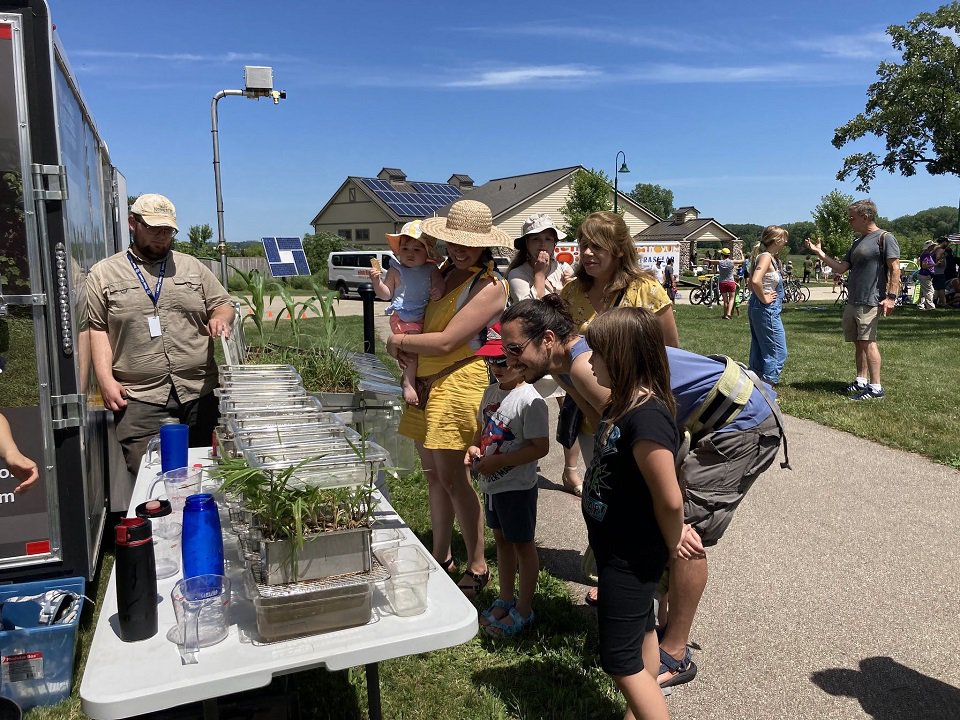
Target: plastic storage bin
[36, 664]
[409, 572]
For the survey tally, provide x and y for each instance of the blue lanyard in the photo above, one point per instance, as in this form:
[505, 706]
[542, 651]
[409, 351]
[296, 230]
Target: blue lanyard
[155, 295]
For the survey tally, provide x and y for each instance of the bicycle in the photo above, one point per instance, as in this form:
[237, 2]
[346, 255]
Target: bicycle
[795, 291]
[842, 295]
[708, 293]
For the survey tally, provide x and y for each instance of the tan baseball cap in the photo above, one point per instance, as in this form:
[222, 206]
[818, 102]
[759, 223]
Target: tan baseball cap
[155, 210]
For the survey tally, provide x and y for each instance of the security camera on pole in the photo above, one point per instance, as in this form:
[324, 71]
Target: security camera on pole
[258, 83]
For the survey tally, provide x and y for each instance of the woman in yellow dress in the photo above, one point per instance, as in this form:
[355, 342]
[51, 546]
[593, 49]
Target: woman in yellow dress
[451, 380]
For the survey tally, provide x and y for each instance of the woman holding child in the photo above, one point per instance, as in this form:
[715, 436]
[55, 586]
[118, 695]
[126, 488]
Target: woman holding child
[451, 379]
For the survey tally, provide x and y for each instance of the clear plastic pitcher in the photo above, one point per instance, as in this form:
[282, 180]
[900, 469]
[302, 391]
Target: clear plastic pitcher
[178, 484]
[201, 605]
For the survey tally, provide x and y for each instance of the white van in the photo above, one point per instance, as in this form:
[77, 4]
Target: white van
[344, 268]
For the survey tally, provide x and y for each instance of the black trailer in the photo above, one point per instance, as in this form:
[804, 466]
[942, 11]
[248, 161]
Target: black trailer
[62, 208]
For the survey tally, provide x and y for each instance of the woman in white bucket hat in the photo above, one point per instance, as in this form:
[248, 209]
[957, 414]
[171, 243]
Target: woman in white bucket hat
[533, 273]
[451, 380]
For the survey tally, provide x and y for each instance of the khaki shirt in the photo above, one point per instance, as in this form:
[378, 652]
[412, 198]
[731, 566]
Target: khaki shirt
[183, 353]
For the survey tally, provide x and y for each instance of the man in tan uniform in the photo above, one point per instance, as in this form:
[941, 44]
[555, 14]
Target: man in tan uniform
[153, 315]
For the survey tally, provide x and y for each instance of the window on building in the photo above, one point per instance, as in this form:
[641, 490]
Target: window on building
[352, 193]
[363, 235]
[345, 234]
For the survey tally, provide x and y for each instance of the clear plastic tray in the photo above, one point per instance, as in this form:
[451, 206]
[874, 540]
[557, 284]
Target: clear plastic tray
[267, 404]
[322, 469]
[244, 425]
[280, 438]
[409, 570]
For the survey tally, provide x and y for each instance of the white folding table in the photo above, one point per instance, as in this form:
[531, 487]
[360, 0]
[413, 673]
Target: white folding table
[127, 679]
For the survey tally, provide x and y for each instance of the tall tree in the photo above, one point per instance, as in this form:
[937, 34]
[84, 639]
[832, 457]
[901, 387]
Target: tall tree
[833, 227]
[317, 247]
[199, 235]
[654, 198]
[589, 192]
[914, 105]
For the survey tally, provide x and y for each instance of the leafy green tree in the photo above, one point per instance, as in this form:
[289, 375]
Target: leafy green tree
[318, 247]
[254, 249]
[934, 222]
[654, 198]
[914, 105]
[799, 231]
[199, 235]
[749, 233]
[589, 193]
[832, 225]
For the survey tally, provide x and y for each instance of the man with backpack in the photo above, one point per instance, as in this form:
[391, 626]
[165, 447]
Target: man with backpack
[872, 288]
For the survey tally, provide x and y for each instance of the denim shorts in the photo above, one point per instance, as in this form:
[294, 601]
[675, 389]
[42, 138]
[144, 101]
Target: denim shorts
[514, 513]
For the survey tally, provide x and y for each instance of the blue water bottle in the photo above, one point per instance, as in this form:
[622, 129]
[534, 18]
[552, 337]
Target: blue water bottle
[202, 542]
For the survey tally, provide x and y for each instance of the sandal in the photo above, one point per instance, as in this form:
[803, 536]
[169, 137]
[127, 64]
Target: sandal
[592, 598]
[449, 566]
[520, 624]
[684, 670]
[477, 582]
[487, 617]
[575, 488]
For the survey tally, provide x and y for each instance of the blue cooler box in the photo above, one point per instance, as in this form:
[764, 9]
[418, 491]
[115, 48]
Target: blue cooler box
[36, 664]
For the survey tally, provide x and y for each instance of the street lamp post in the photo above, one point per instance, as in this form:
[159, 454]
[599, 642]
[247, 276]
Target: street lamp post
[258, 82]
[616, 173]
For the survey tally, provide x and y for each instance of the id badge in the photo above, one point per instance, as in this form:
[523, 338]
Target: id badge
[154, 322]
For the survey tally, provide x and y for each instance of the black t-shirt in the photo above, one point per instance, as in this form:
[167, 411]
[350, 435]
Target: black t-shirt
[616, 504]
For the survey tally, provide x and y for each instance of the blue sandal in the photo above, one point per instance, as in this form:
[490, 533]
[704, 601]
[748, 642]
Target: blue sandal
[498, 604]
[520, 625]
[685, 669]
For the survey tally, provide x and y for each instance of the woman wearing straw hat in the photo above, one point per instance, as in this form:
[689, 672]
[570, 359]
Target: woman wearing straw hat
[535, 272]
[451, 379]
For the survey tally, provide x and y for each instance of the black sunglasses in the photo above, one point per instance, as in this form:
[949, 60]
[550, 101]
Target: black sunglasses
[499, 362]
[516, 349]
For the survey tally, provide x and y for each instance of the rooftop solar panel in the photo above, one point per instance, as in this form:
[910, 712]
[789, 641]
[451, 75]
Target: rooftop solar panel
[425, 201]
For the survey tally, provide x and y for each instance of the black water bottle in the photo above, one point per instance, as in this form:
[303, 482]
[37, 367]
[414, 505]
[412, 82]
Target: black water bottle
[136, 575]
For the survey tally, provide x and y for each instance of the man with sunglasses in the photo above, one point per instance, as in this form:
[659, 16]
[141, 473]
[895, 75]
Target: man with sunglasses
[153, 315]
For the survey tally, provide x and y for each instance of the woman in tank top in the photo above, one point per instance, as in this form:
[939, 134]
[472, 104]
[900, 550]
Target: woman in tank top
[768, 342]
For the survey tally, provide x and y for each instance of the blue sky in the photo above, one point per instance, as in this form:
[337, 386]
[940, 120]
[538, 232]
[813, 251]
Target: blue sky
[730, 105]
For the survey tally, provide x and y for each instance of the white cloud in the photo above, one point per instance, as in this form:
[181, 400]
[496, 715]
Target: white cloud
[667, 73]
[176, 57]
[866, 46]
[519, 76]
[658, 38]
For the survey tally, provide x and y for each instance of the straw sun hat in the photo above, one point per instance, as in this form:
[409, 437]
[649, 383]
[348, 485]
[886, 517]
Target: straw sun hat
[469, 223]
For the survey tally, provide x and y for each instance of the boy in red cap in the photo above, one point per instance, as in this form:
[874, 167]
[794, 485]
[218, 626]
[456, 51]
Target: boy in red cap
[513, 435]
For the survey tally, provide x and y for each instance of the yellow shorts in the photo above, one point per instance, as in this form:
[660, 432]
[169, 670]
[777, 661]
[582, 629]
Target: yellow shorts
[449, 422]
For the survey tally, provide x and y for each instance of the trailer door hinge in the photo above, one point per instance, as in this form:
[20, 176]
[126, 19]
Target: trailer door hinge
[49, 182]
[68, 410]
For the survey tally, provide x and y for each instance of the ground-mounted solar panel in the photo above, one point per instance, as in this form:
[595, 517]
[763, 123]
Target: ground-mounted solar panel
[285, 256]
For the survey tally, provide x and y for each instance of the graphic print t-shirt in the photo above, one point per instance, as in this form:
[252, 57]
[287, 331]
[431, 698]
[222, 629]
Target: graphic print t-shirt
[509, 419]
[616, 503]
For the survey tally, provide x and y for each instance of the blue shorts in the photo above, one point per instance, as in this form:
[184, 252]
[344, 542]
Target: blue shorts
[514, 513]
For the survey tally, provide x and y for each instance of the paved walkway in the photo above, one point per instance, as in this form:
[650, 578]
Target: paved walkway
[835, 593]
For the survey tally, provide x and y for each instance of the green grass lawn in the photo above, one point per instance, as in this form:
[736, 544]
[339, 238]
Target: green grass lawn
[553, 672]
[920, 372]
